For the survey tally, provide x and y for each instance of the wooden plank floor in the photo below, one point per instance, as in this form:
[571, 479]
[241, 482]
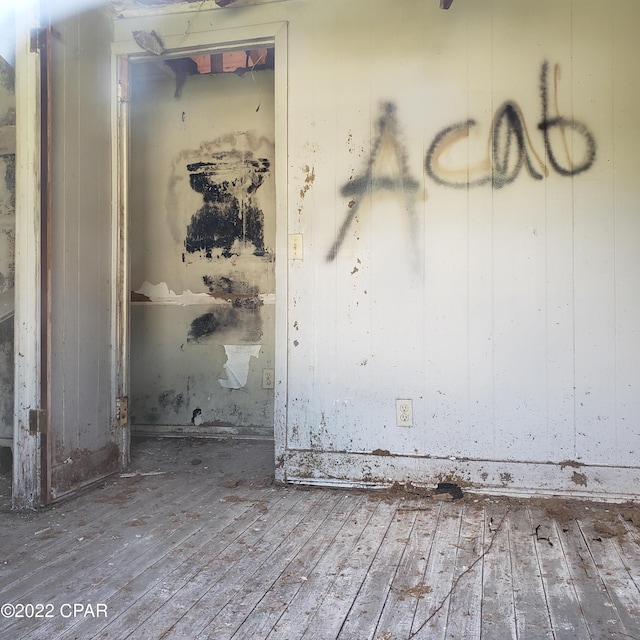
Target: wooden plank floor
[201, 544]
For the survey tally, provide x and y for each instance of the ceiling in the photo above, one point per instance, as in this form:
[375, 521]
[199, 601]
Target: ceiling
[120, 7]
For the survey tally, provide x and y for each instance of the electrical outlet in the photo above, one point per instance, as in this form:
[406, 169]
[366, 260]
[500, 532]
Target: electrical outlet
[404, 413]
[267, 378]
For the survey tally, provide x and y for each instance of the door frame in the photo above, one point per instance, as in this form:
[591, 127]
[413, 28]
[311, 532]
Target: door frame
[125, 54]
[29, 484]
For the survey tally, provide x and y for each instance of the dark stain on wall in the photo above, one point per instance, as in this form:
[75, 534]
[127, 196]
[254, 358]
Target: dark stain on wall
[10, 181]
[239, 293]
[6, 378]
[227, 184]
[171, 399]
[203, 326]
[7, 75]
[241, 317]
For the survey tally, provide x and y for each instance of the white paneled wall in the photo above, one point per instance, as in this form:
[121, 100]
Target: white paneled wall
[502, 300]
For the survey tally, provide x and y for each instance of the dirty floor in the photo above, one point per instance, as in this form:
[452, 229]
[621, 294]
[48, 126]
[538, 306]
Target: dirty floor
[197, 542]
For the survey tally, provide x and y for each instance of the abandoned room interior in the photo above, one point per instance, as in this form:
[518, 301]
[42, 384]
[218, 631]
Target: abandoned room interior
[320, 319]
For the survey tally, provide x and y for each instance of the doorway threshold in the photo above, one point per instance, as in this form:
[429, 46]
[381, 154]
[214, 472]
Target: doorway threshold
[225, 431]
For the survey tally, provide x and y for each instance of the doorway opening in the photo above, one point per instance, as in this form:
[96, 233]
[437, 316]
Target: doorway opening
[202, 237]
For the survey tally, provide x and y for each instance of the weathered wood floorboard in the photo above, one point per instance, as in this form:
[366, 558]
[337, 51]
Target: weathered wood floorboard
[439, 576]
[465, 602]
[407, 586]
[350, 573]
[256, 580]
[366, 608]
[49, 567]
[118, 531]
[498, 597]
[565, 610]
[589, 587]
[212, 549]
[622, 590]
[301, 609]
[208, 581]
[530, 601]
[273, 603]
[138, 588]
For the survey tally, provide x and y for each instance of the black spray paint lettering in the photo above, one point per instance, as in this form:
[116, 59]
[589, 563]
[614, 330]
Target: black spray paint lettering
[548, 124]
[373, 180]
[229, 214]
[508, 131]
[510, 145]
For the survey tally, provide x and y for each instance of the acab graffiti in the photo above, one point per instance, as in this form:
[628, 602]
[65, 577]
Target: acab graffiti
[387, 142]
[510, 148]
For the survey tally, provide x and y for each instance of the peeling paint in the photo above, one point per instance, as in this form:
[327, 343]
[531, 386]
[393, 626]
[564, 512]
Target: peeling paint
[237, 364]
[161, 294]
[579, 479]
[308, 181]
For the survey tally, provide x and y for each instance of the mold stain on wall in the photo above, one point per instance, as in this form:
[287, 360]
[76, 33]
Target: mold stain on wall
[241, 311]
[229, 215]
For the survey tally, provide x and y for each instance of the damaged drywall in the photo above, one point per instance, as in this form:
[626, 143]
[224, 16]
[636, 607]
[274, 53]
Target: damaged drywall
[237, 365]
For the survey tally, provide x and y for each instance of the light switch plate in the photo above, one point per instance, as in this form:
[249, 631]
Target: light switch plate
[295, 246]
